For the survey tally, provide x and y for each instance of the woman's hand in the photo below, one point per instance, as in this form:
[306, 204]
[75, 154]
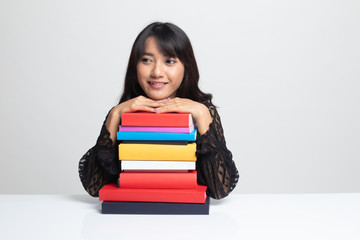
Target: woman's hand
[198, 110]
[139, 103]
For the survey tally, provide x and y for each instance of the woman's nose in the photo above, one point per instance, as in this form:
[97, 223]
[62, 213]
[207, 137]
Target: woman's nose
[158, 70]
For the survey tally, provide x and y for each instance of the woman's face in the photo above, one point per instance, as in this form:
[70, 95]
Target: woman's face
[158, 75]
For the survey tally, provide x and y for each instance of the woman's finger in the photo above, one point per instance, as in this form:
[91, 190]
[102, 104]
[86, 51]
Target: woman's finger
[142, 103]
[172, 107]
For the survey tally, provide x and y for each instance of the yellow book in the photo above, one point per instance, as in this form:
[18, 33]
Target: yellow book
[159, 152]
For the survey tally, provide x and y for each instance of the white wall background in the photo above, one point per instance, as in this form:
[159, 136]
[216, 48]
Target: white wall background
[285, 75]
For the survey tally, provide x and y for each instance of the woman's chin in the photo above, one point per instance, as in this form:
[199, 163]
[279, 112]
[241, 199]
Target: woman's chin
[158, 97]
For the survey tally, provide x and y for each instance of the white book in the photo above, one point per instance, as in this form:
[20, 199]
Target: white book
[158, 165]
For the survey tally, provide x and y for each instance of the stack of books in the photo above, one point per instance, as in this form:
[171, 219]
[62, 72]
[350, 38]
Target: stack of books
[158, 154]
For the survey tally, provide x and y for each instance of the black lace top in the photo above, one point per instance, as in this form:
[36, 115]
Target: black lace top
[215, 166]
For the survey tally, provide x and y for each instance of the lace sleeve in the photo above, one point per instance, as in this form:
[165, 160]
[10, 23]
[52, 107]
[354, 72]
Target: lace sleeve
[100, 164]
[215, 165]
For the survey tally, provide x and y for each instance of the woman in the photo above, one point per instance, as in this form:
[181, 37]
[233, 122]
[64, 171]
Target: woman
[162, 76]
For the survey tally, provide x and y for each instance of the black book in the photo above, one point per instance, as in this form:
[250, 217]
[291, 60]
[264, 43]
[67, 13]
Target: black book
[110, 207]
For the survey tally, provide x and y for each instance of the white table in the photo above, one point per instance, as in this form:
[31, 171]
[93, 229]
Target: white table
[239, 216]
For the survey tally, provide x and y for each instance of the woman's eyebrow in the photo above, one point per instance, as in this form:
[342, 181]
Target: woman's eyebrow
[152, 55]
[148, 54]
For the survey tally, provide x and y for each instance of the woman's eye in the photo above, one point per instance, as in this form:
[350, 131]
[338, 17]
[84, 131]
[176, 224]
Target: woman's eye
[170, 61]
[145, 60]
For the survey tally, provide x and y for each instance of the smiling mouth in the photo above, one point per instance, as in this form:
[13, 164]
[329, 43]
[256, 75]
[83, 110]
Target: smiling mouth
[157, 83]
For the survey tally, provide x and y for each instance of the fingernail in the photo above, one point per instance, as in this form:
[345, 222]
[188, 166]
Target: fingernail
[156, 110]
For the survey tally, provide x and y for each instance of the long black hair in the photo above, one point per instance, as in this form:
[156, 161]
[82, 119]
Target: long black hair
[172, 42]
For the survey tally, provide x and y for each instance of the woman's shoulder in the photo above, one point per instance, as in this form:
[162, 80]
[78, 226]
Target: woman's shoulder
[208, 104]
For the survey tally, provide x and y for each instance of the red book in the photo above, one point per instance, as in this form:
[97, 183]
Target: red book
[111, 192]
[158, 179]
[149, 119]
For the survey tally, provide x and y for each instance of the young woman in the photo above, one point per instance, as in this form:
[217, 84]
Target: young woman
[162, 76]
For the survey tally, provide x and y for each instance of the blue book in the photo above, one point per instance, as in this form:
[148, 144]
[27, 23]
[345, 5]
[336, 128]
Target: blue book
[156, 136]
[109, 207]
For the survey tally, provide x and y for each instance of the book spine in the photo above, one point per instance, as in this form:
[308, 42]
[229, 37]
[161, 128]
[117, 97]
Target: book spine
[157, 129]
[160, 152]
[110, 207]
[111, 192]
[156, 136]
[157, 165]
[156, 120]
[158, 179]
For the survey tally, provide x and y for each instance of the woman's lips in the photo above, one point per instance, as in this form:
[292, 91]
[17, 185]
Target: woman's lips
[157, 84]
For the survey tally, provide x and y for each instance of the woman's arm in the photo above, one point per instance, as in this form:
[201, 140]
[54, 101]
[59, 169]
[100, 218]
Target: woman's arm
[215, 165]
[99, 165]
